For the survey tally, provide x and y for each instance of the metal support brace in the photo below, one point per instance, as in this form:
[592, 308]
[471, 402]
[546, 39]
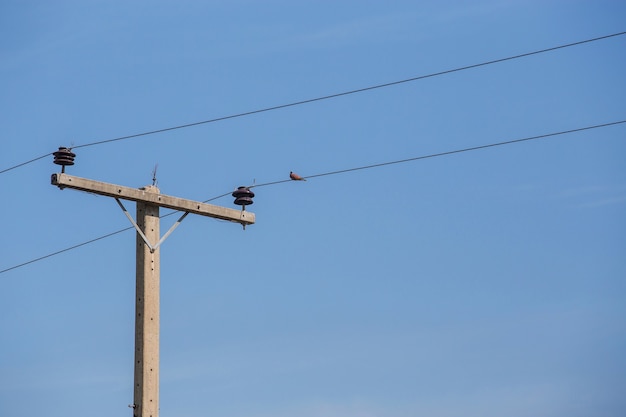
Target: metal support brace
[171, 229]
[143, 236]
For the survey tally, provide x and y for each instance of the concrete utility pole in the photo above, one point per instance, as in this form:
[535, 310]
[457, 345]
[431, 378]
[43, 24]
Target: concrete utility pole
[147, 297]
[149, 199]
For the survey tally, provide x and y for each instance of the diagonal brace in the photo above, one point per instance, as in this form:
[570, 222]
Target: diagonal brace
[143, 236]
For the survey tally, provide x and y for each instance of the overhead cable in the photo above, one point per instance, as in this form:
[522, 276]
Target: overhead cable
[327, 97]
[399, 161]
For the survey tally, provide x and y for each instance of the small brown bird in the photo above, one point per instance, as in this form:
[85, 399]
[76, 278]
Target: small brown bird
[295, 176]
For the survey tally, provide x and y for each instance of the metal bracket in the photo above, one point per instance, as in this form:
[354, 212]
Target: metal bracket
[143, 236]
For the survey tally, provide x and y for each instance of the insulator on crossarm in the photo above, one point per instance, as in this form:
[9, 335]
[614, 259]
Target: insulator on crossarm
[243, 197]
[64, 156]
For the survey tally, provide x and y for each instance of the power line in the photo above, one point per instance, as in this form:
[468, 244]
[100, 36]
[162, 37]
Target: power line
[327, 97]
[434, 155]
[342, 171]
[25, 163]
[474, 148]
[360, 90]
[41, 258]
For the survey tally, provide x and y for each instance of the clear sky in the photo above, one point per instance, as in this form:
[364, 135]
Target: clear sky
[476, 284]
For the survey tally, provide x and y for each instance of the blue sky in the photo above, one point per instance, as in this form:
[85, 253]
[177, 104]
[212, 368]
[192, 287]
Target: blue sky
[484, 283]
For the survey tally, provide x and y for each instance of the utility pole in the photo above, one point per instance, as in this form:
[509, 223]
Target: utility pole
[147, 296]
[149, 200]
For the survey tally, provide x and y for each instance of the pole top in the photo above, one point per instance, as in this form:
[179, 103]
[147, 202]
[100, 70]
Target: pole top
[151, 189]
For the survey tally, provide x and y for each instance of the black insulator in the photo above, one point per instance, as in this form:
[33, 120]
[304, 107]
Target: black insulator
[243, 196]
[64, 156]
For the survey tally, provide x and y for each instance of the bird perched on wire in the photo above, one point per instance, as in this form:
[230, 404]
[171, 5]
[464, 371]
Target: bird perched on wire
[295, 176]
